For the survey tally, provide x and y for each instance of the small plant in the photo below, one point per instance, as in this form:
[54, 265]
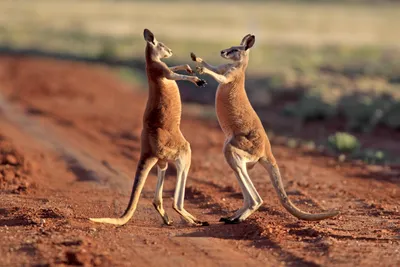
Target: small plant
[343, 143]
[292, 143]
[309, 145]
[371, 156]
[342, 158]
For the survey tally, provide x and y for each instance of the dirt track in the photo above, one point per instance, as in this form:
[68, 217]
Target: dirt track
[74, 131]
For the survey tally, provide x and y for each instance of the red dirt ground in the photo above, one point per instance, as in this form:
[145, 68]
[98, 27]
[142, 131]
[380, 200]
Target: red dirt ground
[68, 149]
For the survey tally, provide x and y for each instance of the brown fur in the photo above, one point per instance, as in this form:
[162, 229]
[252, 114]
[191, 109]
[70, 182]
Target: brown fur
[246, 140]
[161, 138]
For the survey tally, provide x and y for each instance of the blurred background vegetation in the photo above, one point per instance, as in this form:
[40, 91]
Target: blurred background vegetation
[319, 68]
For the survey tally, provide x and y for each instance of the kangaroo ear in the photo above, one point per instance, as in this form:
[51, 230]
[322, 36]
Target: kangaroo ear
[149, 36]
[244, 39]
[250, 42]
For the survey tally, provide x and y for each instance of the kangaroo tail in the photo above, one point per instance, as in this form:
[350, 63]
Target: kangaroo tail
[276, 179]
[143, 169]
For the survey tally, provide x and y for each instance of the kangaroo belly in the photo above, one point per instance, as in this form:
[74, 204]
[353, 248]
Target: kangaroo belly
[234, 111]
[239, 121]
[167, 145]
[161, 121]
[163, 109]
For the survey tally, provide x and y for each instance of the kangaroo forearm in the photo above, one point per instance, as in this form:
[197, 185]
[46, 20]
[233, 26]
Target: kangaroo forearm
[210, 67]
[176, 77]
[218, 77]
[176, 68]
[221, 69]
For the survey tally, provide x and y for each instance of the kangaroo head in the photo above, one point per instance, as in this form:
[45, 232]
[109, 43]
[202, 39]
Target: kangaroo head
[158, 49]
[240, 52]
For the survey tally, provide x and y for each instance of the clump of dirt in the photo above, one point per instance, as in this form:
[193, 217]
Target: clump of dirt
[81, 257]
[14, 169]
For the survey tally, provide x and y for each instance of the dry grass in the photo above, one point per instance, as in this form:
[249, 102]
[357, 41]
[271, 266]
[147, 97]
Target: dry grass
[286, 32]
[308, 24]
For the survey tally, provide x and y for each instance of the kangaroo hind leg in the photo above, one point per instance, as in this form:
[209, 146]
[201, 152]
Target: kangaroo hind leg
[182, 170]
[158, 200]
[252, 200]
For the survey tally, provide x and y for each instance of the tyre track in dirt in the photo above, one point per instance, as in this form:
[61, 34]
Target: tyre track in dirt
[91, 112]
[79, 162]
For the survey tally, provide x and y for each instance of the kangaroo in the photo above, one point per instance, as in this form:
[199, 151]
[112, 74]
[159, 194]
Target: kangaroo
[161, 139]
[246, 141]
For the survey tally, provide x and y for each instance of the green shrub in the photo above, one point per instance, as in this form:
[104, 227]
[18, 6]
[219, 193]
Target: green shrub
[311, 107]
[343, 143]
[372, 156]
[363, 113]
[392, 117]
[309, 145]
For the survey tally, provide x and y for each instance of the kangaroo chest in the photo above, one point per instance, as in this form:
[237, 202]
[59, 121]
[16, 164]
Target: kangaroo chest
[234, 111]
[163, 109]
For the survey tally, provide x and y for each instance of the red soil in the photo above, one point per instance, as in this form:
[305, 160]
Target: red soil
[72, 130]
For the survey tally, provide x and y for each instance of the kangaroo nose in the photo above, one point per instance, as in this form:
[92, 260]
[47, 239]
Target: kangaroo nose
[222, 52]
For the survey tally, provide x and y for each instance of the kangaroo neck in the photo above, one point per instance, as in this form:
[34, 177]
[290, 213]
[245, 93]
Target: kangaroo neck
[235, 90]
[159, 86]
[149, 54]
